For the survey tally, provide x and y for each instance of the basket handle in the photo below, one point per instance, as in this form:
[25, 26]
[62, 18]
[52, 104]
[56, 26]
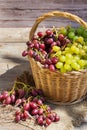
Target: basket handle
[57, 14]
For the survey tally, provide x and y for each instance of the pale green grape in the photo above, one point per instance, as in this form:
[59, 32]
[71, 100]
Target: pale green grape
[75, 66]
[81, 62]
[57, 54]
[63, 31]
[67, 67]
[80, 39]
[82, 52]
[76, 57]
[59, 65]
[85, 48]
[62, 70]
[68, 61]
[79, 46]
[75, 49]
[56, 48]
[69, 56]
[71, 35]
[62, 58]
[75, 38]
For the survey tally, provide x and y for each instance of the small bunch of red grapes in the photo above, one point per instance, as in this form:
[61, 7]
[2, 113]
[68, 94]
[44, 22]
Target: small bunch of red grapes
[31, 104]
[62, 49]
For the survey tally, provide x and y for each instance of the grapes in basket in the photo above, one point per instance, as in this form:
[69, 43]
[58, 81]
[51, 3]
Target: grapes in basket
[62, 49]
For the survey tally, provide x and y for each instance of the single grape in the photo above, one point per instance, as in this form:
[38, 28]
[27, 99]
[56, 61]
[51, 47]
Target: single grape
[71, 35]
[33, 105]
[80, 39]
[52, 67]
[61, 37]
[49, 32]
[48, 121]
[26, 106]
[59, 65]
[75, 66]
[34, 111]
[56, 48]
[54, 60]
[81, 62]
[13, 98]
[40, 120]
[24, 53]
[62, 58]
[17, 118]
[40, 34]
[50, 41]
[63, 31]
[40, 111]
[67, 67]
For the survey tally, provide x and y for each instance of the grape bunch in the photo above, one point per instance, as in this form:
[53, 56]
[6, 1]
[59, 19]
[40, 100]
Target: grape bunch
[62, 49]
[30, 103]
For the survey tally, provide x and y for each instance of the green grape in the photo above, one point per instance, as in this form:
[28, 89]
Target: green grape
[55, 48]
[62, 58]
[75, 43]
[58, 53]
[62, 70]
[76, 57]
[79, 46]
[69, 56]
[75, 38]
[82, 52]
[80, 39]
[71, 29]
[75, 50]
[67, 67]
[75, 66]
[80, 30]
[85, 48]
[67, 50]
[71, 35]
[59, 65]
[85, 34]
[81, 62]
[63, 31]
[68, 61]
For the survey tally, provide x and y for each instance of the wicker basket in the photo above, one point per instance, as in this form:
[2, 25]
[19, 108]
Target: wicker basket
[57, 86]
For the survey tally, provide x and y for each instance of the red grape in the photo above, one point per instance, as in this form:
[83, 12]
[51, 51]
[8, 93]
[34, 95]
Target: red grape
[40, 120]
[40, 34]
[48, 121]
[24, 53]
[17, 118]
[34, 111]
[33, 105]
[52, 67]
[26, 106]
[49, 32]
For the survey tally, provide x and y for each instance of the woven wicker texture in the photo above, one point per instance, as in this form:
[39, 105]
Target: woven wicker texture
[59, 87]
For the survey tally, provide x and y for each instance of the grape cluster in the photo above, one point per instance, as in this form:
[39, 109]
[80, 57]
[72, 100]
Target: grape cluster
[31, 104]
[63, 49]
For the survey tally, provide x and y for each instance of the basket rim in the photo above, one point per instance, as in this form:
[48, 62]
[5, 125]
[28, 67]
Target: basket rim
[80, 72]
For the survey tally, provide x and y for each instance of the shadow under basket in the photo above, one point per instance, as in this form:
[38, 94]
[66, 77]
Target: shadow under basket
[59, 87]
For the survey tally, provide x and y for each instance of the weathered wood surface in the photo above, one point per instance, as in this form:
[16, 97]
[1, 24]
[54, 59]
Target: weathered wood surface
[22, 13]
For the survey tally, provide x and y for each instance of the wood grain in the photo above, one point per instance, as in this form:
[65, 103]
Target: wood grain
[22, 13]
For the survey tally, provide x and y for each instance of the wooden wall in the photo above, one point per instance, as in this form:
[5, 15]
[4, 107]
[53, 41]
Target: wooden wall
[22, 13]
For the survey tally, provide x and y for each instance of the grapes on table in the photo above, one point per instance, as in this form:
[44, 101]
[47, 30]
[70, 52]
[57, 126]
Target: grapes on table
[57, 48]
[30, 103]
